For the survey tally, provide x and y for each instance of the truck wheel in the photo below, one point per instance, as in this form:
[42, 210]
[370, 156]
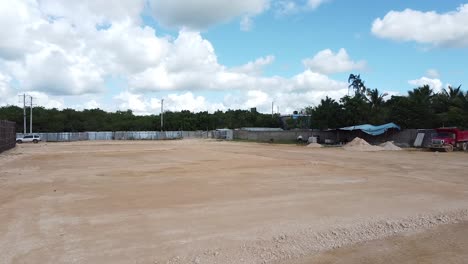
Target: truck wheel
[19, 141]
[35, 141]
[449, 148]
[465, 146]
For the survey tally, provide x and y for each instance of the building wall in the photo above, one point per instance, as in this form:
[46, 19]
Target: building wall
[7, 135]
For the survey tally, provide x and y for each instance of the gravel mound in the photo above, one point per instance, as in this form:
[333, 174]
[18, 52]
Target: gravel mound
[283, 247]
[389, 146]
[359, 144]
[314, 145]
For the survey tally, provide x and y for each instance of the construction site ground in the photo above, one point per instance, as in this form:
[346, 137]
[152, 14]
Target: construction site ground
[206, 201]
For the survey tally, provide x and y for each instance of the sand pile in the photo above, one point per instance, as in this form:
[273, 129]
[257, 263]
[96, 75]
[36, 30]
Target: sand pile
[389, 146]
[314, 145]
[359, 144]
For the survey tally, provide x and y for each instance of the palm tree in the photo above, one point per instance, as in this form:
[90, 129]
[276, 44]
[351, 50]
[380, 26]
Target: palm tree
[357, 84]
[375, 98]
[454, 96]
[421, 94]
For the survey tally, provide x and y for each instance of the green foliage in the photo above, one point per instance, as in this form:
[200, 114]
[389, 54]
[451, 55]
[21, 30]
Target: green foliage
[329, 114]
[421, 108]
[70, 120]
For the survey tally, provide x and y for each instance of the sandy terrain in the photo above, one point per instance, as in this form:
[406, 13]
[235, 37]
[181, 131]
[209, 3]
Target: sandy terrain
[222, 202]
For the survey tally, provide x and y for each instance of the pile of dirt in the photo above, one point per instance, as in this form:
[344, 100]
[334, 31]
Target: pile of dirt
[389, 146]
[359, 144]
[314, 145]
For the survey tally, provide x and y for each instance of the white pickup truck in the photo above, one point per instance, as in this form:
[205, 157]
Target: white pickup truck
[28, 138]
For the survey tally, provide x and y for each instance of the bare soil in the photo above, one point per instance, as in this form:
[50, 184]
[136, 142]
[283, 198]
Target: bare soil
[194, 201]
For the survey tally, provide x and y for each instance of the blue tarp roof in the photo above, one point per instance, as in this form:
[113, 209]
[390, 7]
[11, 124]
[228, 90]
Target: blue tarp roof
[372, 130]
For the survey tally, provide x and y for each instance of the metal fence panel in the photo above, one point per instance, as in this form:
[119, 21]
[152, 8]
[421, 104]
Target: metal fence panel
[104, 135]
[121, 135]
[147, 135]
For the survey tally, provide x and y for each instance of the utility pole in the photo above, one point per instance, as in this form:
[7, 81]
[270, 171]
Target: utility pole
[24, 114]
[162, 114]
[30, 119]
[272, 107]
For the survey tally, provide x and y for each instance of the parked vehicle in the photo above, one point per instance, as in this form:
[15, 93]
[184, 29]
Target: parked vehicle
[449, 139]
[28, 138]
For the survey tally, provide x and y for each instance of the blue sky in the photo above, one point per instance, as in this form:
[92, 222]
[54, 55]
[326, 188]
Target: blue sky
[206, 55]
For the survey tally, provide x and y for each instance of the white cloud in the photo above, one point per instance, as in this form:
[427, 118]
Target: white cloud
[435, 84]
[432, 73]
[143, 105]
[135, 102]
[202, 14]
[255, 67]
[246, 23]
[127, 48]
[188, 101]
[63, 54]
[47, 101]
[5, 90]
[314, 4]
[291, 7]
[59, 72]
[89, 13]
[92, 104]
[286, 7]
[440, 29]
[328, 62]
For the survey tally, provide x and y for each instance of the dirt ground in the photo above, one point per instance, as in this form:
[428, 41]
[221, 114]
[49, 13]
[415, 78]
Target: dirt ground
[194, 201]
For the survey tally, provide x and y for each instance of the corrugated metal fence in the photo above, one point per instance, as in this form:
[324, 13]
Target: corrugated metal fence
[147, 135]
[122, 135]
[7, 135]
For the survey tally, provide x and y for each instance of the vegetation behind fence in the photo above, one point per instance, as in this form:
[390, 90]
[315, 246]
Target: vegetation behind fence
[7, 135]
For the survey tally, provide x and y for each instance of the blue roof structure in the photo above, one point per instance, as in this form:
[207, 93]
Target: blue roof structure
[372, 130]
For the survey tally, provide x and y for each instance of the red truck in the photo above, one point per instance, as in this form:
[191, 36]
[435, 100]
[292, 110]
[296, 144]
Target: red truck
[449, 139]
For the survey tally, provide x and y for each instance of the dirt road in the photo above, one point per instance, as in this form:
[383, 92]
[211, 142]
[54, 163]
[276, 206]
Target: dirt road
[219, 202]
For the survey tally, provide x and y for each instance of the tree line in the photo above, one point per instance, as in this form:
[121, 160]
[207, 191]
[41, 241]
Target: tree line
[70, 120]
[420, 108]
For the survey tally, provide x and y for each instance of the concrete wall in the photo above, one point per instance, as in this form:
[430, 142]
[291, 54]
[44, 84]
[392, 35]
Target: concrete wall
[404, 138]
[7, 135]
[288, 135]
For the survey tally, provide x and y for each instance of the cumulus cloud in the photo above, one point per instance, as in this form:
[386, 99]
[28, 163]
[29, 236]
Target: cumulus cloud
[440, 29]
[202, 14]
[435, 84]
[328, 62]
[62, 54]
[5, 90]
[60, 73]
[89, 13]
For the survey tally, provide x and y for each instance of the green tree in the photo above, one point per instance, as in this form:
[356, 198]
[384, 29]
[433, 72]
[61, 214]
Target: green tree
[328, 114]
[356, 84]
